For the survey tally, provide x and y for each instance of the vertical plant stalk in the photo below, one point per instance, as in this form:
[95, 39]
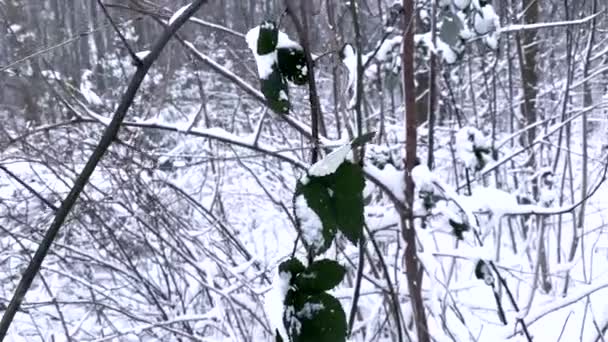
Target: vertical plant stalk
[109, 135]
[360, 66]
[302, 28]
[414, 272]
[528, 50]
[360, 155]
[587, 102]
[432, 90]
[570, 75]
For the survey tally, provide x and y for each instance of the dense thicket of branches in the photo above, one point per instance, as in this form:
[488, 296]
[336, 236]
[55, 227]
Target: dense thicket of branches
[178, 233]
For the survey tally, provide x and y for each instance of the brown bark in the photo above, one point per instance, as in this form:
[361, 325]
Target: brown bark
[413, 269]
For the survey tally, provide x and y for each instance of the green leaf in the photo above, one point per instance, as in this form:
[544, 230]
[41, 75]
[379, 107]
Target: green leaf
[292, 63]
[314, 318]
[268, 37]
[347, 186]
[276, 92]
[318, 199]
[321, 275]
[337, 199]
[293, 266]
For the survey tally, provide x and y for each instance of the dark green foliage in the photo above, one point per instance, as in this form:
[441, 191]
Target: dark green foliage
[347, 186]
[268, 38]
[458, 228]
[292, 63]
[289, 65]
[318, 199]
[274, 86]
[311, 314]
[320, 276]
[314, 318]
[275, 89]
[337, 199]
[293, 266]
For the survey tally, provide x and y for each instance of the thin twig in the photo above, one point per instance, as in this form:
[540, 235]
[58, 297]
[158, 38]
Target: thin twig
[136, 60]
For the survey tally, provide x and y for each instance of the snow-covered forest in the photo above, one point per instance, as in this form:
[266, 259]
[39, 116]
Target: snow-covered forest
[313, 170]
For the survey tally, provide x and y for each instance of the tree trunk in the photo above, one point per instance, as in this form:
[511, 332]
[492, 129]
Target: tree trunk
[413, 269]
[529, 76]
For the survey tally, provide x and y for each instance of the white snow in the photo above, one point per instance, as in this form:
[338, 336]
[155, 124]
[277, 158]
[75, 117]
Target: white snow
[285, 42]
[330, 163]
[440, 47]
[385, 49]
[178, 13]
[485, 20]
[86, 88]
[467, 139]
[310, 224]
[283, 95]
[390, 177]
[350, 61]
[382, 54]
[263, 62]
[51, 75]
[462, 4]
[142, 54]
[15, 28]
[423, 178]
[494, 200]
[309, 310]
[274, 302]
[491, 40]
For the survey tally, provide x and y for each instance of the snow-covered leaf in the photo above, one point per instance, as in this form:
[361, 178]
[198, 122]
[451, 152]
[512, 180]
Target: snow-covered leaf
[276, 91]
[314, 318]
[473, 148]
[292, 63]
[336, 197]
[314, 212]
[292, 266]
[268, 38]
[274, 300]
[330, 163]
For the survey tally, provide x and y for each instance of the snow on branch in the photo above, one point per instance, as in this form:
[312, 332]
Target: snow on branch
[537, 26]
[539, 311]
